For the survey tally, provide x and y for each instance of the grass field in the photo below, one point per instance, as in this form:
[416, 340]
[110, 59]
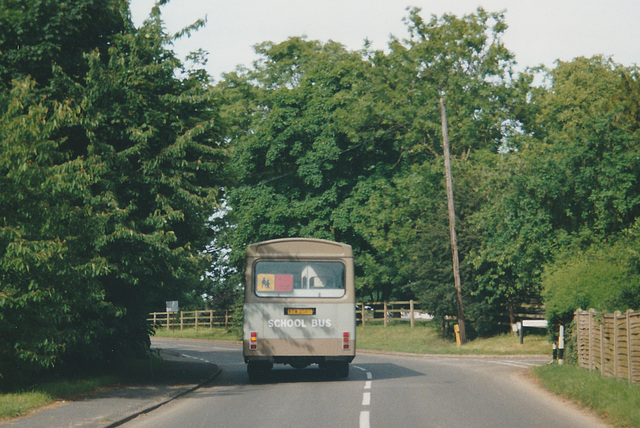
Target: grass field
[425, 338]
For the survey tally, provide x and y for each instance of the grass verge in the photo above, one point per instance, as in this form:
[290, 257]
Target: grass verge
[27, 398]
[215, 333]
[616, 400]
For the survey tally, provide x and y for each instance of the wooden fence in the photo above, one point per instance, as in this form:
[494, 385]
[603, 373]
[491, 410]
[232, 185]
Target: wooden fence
[386, 312]
[609, 343]
[376, 312]
[190, 319]
[368, 312]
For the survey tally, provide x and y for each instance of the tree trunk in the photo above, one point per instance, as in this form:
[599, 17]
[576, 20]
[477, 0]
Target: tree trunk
[452, 220]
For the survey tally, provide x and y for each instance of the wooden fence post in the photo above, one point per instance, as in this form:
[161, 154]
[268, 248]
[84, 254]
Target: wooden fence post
[210, 318]
[576, 317]
[362, 311]
[181, 320]
[616, 347]
[168, 320]
[602, 328]
[591, 362]
[628, 316]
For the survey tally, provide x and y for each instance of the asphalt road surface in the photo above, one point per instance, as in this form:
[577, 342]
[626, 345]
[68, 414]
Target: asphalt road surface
[382, 390]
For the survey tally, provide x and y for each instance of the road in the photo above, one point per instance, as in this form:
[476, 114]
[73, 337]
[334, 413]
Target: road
[381, 391]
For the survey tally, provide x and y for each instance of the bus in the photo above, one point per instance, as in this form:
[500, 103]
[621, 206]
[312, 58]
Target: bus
[299, 306]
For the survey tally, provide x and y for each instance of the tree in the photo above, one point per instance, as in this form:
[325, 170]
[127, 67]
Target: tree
[330, 143]
[572, 182]
[39, 34]
[604, 277]
[464, 60]
[110, 178]
[306, 141]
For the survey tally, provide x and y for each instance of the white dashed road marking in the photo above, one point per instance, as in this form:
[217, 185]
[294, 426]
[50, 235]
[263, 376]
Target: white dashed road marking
[366, 399]
[364, 419]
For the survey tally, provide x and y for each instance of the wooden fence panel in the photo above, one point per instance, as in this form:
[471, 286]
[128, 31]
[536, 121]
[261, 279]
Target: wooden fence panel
[582, 327]
[622, 347]
[607, 339]
[609, 343]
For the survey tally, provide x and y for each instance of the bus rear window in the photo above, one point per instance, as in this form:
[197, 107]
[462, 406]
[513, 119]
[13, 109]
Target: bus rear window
[299, 279]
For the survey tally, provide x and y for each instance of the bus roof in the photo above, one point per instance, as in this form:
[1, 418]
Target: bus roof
[300, 248]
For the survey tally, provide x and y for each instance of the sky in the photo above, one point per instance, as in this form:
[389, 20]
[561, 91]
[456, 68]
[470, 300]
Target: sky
[540, 31]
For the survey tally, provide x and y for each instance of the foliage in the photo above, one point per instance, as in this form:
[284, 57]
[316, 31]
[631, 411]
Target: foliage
[110, 170]
[604, 277]
[570, 185]
[39, 34]
[115, 156]
[346, 146]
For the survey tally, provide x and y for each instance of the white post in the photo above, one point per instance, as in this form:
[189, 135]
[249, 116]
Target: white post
[411, 313]
[561, 345]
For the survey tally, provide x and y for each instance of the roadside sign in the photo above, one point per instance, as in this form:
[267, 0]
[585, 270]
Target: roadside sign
[172, 306]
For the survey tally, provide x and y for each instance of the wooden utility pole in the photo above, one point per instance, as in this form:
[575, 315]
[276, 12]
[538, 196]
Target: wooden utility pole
[452, 219]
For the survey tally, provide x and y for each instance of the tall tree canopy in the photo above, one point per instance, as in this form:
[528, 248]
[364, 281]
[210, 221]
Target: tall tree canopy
[111, 167]
[572, 184]
[347, 146]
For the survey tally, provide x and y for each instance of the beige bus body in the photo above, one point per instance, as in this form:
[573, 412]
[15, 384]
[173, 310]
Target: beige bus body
[299, 305]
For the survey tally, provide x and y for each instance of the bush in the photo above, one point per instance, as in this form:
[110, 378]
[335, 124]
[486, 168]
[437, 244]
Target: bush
[604, 277]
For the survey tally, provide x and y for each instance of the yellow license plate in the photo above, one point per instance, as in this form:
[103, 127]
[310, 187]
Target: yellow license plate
[299, 311]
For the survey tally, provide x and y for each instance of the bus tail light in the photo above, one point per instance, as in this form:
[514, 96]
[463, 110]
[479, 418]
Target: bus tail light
[346, 340]
[253, 345]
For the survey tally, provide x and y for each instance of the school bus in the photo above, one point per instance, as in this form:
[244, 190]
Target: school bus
[299, 306]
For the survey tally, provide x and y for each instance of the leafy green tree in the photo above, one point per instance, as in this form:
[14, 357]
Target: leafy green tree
[572, 182]
[109, 178]
[36, 35]
[605, 277]
[335, 144]
[465, 59]
[589, 118]
[37, 297]
[305, 142]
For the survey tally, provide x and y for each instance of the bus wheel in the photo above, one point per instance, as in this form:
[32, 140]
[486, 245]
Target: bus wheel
[258, 371]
